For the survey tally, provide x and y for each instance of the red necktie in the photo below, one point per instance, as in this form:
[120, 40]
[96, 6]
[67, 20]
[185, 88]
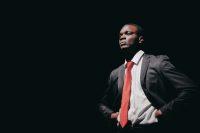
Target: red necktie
[126, 95]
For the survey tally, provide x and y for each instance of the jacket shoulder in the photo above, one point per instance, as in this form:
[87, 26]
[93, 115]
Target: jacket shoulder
[156, 57]
[157, 61]
[114, 73]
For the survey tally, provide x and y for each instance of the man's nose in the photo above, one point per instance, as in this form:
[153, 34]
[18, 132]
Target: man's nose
[122, 37]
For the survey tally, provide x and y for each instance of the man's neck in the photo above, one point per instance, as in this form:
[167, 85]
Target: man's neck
[128, 54]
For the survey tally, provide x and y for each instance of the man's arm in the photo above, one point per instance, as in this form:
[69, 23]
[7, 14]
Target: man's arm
[187, 90]
[106, 102]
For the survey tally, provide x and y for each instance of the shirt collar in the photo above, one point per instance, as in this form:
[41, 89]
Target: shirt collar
[136, 58]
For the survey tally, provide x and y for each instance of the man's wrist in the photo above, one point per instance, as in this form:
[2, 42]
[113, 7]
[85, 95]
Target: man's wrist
[158, 113]
[114, 115]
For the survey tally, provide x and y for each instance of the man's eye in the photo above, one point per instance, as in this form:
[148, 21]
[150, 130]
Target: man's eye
[129, 33]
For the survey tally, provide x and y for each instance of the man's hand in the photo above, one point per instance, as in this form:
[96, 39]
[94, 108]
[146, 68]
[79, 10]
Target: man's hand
[114, 115]
[158, 113]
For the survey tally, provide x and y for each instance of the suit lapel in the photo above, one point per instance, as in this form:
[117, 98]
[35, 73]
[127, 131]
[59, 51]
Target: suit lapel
[121, 78]
[145, 64]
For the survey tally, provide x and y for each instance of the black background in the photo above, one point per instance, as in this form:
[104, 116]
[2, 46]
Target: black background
[60, 56]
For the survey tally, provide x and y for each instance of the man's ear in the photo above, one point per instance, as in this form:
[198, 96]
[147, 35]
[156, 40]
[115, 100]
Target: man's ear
[141, 39]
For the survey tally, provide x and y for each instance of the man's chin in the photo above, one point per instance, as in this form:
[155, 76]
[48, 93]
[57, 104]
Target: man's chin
[129, 49]
[124, 47]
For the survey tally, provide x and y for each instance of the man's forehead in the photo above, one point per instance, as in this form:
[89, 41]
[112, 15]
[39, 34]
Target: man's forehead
[129, 28]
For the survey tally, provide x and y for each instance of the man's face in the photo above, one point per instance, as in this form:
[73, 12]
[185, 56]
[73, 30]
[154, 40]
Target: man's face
[128, 36]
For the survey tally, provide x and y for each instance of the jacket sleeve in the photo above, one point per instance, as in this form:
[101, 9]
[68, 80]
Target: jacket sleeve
[187, 90]
[105, 105]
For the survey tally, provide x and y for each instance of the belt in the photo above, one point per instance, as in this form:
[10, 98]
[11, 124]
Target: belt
[138, 126]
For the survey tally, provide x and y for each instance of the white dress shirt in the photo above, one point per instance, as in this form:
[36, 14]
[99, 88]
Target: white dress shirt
[141, 111]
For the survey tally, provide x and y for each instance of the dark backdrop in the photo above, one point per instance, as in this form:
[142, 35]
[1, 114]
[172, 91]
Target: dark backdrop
[63, 53]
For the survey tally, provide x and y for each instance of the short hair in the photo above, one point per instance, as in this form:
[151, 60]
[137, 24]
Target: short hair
[140, 31]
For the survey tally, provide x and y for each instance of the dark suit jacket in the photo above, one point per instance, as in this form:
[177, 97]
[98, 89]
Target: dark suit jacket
[165, 87]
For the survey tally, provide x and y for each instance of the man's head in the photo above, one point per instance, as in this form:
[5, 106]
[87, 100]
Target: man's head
[131, 36]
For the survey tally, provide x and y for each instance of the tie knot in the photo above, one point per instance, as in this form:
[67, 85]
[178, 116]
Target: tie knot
[129, 64]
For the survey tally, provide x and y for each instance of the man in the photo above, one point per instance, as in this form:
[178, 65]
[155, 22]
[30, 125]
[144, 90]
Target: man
[147, 91]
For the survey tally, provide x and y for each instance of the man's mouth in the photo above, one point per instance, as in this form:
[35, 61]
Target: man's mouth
[122, 43]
